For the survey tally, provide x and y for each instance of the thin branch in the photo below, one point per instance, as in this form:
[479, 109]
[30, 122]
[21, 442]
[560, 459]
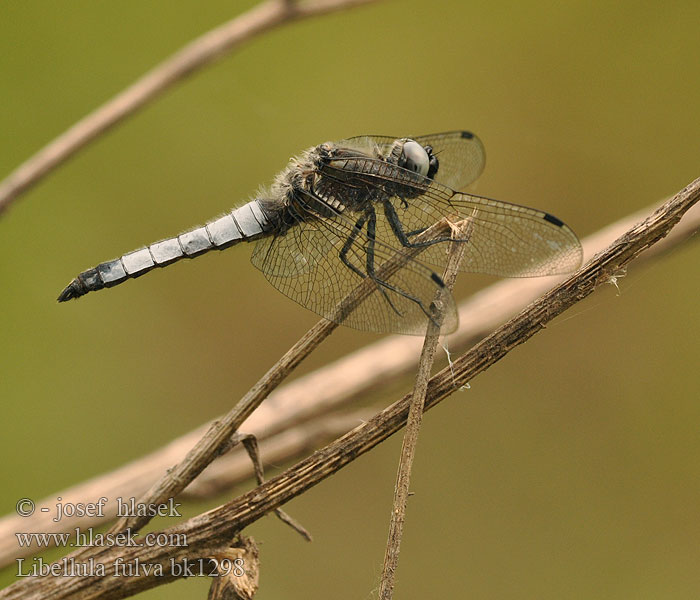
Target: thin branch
[208, 533]
[415, 414]
[253, 451]
[202, 51]
[295, 418]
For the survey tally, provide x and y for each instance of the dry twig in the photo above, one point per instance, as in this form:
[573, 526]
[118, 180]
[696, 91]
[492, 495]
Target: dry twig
[415, 415]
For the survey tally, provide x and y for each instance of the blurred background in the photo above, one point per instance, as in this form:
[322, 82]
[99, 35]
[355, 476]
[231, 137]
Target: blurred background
[569, 469]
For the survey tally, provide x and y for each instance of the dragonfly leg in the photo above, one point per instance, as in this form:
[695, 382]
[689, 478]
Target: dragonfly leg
[371, 235]
[370, 218]
[416, 231]
[402, 236]
[348, 244]
[371, 227]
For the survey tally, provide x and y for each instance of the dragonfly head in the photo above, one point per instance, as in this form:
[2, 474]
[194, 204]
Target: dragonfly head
[418, 159]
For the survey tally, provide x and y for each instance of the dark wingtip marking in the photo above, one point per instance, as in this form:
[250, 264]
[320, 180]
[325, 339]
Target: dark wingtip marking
[467, 135]
[74, 289]
[553, 220]
[437, 279]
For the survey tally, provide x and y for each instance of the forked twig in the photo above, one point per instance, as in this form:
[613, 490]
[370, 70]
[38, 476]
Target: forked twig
[250, 443]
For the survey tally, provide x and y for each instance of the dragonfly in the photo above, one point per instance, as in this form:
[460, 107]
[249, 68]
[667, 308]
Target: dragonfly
[341, 210]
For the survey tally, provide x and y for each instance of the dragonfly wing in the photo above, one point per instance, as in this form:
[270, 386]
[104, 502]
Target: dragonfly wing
[398, 301]
[504, 239]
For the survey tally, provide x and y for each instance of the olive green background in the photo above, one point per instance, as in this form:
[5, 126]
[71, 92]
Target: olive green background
[569, 470]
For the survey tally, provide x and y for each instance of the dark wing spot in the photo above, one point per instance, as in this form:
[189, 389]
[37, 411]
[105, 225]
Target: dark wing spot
[553, 220]
[437, 279]
[467, 134]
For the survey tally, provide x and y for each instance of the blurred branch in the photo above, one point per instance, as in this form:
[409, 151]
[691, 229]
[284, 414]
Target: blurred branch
[210, 533]
[200, 52]
[294, 419]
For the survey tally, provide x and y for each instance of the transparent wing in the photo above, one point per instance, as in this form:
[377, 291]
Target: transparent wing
[297, 252]
[400, 301]
[460, 153]
[504, 239]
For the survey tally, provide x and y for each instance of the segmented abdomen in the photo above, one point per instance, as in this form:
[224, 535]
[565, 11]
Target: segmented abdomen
[246, 223]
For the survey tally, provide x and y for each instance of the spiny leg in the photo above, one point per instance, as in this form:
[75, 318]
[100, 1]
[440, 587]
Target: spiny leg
[416, 231]
[371, 231]
[402, 236]
[359, 224]
[371, 235]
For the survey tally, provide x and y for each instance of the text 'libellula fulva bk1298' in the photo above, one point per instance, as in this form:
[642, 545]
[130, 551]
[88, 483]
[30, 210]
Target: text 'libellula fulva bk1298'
[341, 210]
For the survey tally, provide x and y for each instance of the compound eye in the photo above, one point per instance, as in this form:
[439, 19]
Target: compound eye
[415, 158]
